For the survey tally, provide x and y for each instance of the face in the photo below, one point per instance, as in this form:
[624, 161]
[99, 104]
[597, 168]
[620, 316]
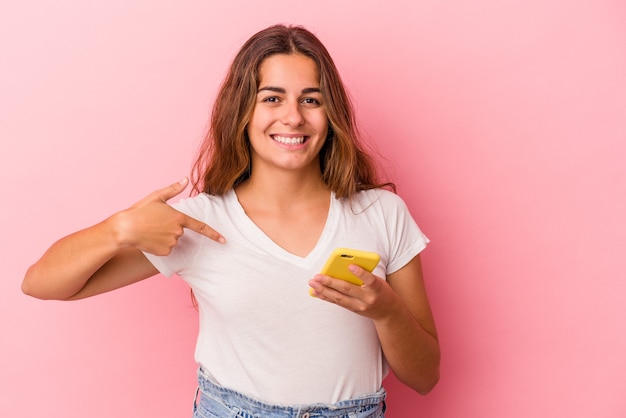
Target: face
[289, 123]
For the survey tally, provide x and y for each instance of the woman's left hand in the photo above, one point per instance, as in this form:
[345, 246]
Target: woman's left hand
[374, 299]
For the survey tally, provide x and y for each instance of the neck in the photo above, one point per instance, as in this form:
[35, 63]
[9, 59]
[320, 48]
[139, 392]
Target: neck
[282, 188]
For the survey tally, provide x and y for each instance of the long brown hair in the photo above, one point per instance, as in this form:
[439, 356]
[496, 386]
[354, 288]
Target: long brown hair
[224, 157]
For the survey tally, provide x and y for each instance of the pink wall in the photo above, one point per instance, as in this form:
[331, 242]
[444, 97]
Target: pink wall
[505, 122]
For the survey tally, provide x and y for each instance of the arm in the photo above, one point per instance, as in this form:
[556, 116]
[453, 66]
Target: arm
[402, 316]
[109, 255]
[407, 333]
[86, 263]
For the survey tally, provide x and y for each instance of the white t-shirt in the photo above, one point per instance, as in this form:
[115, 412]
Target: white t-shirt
[260, 332]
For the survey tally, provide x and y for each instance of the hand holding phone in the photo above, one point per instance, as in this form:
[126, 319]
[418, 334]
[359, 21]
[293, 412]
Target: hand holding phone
[337, 264]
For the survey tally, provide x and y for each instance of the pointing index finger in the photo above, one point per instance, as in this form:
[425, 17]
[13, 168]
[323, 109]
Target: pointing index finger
[203, 229]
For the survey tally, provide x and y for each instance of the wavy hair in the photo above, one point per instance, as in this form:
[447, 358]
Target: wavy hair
[224, 158]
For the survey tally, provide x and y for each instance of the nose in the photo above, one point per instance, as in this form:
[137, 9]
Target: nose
[292, 114]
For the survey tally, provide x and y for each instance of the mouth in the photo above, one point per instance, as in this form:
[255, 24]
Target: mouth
[290, 140]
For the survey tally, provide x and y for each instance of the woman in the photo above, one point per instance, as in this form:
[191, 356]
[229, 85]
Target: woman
[283, 178]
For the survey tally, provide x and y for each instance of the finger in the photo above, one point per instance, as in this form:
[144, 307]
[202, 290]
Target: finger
[172, 190]
[202, 228]
[316, 285]
[323, 287]
[330, 288]
[366, 277]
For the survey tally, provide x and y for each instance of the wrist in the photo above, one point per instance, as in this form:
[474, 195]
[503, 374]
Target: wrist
[116, 229]
[395, 309]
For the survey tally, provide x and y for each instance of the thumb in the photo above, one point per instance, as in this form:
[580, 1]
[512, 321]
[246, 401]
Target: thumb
[172, 190]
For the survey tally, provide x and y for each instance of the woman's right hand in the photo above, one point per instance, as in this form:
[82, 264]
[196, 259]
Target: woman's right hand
[108, 255]
[153, 226]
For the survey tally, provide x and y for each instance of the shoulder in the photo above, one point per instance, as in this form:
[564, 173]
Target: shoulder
[380, 198]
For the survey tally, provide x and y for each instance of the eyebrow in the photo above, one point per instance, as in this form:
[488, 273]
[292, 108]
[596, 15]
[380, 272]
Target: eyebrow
[283, 91]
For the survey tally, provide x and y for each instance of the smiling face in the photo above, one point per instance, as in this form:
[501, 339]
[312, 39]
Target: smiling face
[288, 126]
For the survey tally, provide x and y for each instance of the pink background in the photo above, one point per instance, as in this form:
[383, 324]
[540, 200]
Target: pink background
[504, 125]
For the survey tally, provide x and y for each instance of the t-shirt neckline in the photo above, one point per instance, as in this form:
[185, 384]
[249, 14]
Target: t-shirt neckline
[263, 241]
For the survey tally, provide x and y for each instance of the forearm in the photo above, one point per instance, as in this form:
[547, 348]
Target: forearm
[412, 352]
[68, 264]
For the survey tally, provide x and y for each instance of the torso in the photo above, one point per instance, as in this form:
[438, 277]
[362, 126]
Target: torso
[260, 331]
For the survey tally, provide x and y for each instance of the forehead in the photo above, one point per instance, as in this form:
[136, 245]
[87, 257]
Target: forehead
[283, 69]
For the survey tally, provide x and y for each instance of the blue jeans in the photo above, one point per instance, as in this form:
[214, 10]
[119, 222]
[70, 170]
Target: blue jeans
[214, 401]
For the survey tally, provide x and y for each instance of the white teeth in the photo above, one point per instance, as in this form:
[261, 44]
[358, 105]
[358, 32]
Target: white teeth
[289, 141]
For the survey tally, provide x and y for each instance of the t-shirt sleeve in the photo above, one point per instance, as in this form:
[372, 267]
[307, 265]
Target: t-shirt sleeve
[406, 239]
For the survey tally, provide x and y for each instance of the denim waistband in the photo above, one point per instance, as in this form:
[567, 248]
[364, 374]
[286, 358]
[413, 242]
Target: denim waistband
[218, 401]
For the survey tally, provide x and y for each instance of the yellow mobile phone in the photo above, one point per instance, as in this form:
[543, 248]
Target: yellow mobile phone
[337, 264]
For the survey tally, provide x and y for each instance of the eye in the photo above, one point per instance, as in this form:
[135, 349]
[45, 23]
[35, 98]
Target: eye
[271, 99]
[310, 101]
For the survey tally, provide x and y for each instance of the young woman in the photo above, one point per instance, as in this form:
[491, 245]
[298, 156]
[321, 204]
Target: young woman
[284, 179]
